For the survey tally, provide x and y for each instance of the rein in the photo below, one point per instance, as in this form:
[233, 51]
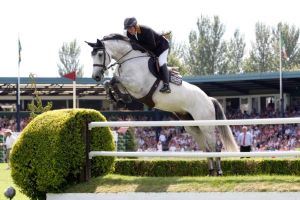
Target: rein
[120, 64]
[147, 99]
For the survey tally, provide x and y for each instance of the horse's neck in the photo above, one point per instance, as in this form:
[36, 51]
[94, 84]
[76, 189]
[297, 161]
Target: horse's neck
[133, 73]
[117, 48]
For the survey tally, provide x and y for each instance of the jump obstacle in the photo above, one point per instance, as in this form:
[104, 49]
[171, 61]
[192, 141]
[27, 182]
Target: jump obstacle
[91, 125]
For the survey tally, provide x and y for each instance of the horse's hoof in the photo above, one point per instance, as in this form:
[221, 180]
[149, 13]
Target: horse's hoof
[211, 172]
[121, 104]
[220, 173]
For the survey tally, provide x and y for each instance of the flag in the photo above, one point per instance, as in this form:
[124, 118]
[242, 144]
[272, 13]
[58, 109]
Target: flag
[71, 75]
[283, 50]
[20, 49]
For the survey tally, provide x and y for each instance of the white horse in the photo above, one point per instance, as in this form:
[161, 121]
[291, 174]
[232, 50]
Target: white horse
[187, 101]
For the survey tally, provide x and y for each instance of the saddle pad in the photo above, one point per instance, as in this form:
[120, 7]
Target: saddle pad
[175, 77]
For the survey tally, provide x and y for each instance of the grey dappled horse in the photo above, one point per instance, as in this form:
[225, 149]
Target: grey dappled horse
[187, 101]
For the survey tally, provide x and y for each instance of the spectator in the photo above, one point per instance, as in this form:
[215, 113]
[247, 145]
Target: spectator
[9, 141]
[245, 140]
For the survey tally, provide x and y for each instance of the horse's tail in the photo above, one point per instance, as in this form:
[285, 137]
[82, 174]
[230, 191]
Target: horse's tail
[226, 133]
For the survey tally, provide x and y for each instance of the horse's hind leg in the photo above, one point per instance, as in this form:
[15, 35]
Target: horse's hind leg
[204, 139]
[200, 139]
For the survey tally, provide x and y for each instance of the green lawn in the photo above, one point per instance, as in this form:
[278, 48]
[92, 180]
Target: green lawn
[119, 183]
[6, 181]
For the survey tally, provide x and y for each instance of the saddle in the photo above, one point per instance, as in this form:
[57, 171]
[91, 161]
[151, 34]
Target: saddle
[174, 76]
[153, 65]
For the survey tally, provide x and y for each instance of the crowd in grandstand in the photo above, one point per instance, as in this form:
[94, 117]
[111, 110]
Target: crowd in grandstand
[265, 137]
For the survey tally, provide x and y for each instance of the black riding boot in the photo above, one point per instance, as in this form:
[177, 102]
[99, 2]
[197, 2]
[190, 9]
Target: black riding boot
[165, 77]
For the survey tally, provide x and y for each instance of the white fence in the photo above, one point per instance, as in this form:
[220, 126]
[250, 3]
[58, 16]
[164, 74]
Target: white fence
[295, 120]
[196, 154]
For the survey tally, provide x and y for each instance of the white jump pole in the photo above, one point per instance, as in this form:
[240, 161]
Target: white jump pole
[195, 154]
[294, 120]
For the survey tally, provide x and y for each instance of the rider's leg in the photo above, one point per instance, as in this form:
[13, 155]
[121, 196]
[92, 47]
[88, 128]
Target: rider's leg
[163, 70]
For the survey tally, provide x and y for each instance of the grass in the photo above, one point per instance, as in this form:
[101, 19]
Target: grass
[6, 181]
[120, 183]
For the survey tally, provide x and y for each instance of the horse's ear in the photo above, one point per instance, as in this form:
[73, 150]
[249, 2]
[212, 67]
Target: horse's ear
[99, 42]
[91, 44]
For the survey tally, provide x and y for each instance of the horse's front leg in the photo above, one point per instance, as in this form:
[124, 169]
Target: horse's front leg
[109, 88]
[210, 162]
[114, 80]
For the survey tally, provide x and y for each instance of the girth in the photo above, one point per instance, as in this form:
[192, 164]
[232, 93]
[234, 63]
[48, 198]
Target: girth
[148, 98]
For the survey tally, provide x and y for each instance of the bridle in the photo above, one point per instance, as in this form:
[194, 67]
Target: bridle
[103, 66]
[95, 51]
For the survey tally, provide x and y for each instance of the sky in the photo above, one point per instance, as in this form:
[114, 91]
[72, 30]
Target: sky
[44, 25]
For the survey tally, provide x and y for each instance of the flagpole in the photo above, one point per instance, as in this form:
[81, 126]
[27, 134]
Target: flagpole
[18, 88]
[72, 76]
[74, 94]
[280, 75]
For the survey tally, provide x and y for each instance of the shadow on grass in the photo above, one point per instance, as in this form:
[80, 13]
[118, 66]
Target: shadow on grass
[138, 184]
[120, 183]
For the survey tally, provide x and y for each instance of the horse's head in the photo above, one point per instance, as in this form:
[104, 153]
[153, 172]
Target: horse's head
[101, 59]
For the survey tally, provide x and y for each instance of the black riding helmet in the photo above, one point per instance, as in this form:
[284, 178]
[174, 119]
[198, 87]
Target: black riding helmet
[129, 22]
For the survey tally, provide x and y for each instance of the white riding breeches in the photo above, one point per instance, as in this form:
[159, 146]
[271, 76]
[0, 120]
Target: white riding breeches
[162, 59]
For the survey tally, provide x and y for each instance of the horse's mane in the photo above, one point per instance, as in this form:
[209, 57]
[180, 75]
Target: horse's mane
[134, 44]
[116, 36]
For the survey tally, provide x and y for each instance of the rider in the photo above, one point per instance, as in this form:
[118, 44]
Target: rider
[153, 42]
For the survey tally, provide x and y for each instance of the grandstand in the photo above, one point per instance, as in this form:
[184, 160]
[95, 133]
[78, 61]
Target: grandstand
[238, 91]
[242, 96]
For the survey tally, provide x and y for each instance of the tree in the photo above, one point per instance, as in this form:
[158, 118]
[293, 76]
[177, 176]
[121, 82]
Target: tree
[206, 52]
[235, 53]
[36, 106]
[262, 55]
[289, 42]
[69, 59]
[176, 54]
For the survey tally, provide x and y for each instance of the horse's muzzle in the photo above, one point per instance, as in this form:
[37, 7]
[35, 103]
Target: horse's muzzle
[98, 77]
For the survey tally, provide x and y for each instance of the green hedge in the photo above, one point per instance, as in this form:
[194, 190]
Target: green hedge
[50, 151]
[137, 167]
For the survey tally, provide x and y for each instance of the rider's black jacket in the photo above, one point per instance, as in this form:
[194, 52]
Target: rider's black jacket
[150, 40]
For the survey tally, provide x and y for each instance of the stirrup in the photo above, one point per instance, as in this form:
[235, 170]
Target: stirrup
[165, 89]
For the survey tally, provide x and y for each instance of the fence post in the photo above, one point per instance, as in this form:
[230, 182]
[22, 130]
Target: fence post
[85, 174]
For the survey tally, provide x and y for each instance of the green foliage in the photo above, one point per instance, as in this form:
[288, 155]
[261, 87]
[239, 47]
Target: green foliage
[36, 106]
[174, 61]
[262, 55]
[200, 167]
[206, 54]
[121, 142]
[176, 55]
[131, 143]
[127, 141]
[290, 42]
[69, 59]
[50, 152]
[235, 53]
